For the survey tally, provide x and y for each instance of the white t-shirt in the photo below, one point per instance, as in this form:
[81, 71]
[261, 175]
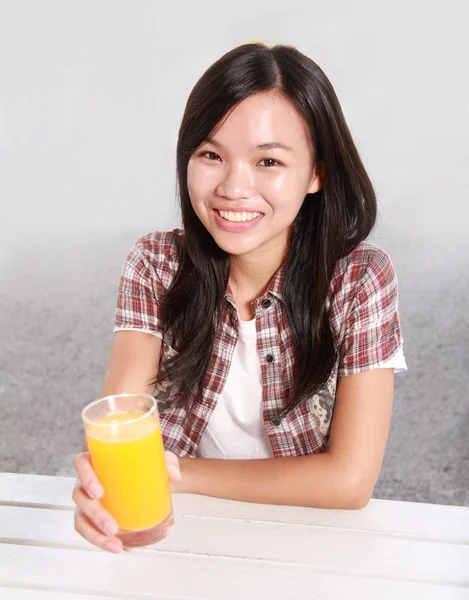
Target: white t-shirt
[236, 427]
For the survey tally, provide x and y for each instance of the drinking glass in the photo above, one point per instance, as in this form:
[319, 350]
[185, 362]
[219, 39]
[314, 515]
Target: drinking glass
[127, 454]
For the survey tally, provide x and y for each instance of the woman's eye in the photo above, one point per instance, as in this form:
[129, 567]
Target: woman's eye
[211, 155]
[269, 162]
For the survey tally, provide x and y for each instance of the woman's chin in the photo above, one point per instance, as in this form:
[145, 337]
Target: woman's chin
[236, 244]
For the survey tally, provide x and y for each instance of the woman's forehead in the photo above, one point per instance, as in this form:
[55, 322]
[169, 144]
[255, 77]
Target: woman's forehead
[262, 121]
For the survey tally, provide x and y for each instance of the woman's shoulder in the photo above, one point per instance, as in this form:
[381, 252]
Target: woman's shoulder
[364, 280]
[156, 255]
[368, 267]
[159, 244]
[367, 259]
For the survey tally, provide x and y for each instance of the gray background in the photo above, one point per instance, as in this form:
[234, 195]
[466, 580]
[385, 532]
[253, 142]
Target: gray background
[91, 96]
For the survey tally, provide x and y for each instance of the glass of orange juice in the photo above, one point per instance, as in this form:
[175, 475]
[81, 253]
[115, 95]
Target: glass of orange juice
[127, 454]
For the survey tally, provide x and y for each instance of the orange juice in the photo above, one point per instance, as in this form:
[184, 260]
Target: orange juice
[128, 458]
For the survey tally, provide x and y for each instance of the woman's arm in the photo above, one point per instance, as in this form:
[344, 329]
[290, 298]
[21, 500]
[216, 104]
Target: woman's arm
[133, 363]
[343, 477]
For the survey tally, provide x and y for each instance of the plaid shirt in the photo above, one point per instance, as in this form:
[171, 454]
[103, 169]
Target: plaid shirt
[363, 310]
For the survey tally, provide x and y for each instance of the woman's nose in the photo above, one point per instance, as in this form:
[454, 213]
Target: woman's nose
[236, 184]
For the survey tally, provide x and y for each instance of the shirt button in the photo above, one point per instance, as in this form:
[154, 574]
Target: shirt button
[275, 421]
[269, 358]
[266, 304]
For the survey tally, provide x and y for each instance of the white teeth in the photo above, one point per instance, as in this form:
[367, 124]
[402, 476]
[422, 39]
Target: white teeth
[238, 216]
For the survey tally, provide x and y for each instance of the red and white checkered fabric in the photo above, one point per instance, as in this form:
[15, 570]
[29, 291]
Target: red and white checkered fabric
[363, 311]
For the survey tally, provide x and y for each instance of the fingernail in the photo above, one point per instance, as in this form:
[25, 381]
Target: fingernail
[110, 528]
[113, 546]
[95, 490]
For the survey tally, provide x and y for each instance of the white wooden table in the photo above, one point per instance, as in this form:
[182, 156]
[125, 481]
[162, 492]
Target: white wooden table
[228, 550]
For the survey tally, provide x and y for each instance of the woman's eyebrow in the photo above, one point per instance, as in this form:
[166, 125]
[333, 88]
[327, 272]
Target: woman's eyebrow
[210, 140]
[272, 146]
[264, 146]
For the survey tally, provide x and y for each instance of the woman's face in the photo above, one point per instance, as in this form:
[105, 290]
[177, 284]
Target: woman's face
[248, 182]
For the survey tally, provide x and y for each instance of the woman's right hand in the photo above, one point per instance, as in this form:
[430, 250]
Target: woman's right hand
[92, 520]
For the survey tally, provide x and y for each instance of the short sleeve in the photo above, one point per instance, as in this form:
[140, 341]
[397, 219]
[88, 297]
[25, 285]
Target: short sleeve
[372, 329]
[140, 296]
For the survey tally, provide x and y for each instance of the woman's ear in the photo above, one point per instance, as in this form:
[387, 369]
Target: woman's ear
[317, 180]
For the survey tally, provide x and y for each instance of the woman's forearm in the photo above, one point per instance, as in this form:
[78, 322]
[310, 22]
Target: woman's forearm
[315, 481]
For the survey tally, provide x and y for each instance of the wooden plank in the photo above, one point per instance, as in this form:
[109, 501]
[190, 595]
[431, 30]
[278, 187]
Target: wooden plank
[195, 577]
[10, 593]
[360, 553]
[20, 593]
[425, 521]
[37, 489]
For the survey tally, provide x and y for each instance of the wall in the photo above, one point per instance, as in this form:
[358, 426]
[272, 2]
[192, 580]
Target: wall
[91, 96]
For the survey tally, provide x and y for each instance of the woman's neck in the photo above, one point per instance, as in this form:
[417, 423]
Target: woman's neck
[250, 275]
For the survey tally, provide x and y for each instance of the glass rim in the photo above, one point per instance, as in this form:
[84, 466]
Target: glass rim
[149, 412]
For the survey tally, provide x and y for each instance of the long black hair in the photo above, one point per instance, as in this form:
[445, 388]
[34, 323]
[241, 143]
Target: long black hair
[329, 225]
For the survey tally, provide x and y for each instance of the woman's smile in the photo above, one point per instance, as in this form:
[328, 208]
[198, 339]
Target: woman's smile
[237, 221]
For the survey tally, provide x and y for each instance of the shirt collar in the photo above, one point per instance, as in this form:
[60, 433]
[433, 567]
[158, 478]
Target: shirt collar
[276, 283]
[275, 287]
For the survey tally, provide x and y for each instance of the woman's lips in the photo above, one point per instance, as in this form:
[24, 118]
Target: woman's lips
[236, 226]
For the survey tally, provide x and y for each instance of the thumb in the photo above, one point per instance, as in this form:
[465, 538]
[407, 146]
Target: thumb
[172, 465]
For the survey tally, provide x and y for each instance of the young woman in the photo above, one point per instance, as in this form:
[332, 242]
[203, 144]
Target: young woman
[267, 328]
